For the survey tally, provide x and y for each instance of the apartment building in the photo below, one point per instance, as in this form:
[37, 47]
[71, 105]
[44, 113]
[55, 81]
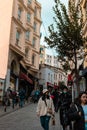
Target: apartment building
[52, 60]
[42, 54]
[83, 4]
[22, 19]
[50, 76]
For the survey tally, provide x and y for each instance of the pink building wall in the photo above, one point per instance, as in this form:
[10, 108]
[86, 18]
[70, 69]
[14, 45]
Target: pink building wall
[5, 23]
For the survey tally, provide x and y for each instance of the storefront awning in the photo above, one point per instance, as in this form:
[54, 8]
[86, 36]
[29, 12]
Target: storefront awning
[50, 84]
[55, 86]
[25, 77]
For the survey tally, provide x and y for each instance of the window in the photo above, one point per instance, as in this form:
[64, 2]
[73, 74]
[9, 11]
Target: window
[33, 59]
[40, 75]
[41, 55]
[17, 37]
[47, 60]
[59, 76]
[35, 11]
[54, 76]
[26, 52]
[49, 76]
[28, 17]
[29, 1]
[33, 42]
[19, 13]
[27, 35]
[35, 27]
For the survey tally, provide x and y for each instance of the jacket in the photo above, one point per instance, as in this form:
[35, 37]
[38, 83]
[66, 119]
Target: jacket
[42, 109]
[64, 104]
[73, 115]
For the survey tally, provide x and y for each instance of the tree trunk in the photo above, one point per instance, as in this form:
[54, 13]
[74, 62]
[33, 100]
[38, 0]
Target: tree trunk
[76, 73]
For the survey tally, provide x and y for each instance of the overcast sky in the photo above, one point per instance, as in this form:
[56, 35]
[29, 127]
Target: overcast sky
[47, 15]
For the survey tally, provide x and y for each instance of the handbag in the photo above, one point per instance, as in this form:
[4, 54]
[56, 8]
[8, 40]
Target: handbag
[53, 120]
[49, 111]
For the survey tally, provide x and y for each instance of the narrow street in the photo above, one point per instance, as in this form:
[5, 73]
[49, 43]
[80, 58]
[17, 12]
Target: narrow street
[25, 119]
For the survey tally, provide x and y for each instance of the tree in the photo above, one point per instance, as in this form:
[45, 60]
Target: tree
[66, 34]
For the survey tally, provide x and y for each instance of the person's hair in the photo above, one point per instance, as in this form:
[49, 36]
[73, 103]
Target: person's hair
[44, 96]
[79, 97]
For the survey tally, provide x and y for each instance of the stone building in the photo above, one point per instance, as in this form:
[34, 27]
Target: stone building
[22, 19]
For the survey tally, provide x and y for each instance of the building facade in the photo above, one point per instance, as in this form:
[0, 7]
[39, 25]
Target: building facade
[24, 44]
[51, 76]
[83, 5]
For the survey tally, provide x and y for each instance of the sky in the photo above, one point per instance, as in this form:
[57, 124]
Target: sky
[47, 15]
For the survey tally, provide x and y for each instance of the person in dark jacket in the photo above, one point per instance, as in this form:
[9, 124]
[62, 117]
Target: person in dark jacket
[21, 97]
[65, 100]
[55, 96]
[78, 112]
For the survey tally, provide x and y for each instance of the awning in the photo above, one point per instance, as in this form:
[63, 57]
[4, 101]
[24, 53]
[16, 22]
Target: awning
[25, 77]
[50, 84]
[55, 86]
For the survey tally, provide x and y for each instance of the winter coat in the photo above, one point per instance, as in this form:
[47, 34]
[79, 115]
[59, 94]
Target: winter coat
[79, 120]
[64, 105]
[42, 108]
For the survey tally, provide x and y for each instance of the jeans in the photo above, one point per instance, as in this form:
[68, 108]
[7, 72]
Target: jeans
[21, 103]
[45, 122]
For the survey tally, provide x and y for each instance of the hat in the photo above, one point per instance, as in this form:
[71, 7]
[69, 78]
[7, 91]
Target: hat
[45, 90]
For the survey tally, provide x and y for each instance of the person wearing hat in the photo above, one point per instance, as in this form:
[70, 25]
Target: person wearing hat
[45, 109]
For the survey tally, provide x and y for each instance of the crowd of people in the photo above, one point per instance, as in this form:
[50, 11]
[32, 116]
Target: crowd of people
[14, 98]
[73, 115]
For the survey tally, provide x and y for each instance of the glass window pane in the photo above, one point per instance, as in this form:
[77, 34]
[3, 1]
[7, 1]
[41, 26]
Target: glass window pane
[28, 17]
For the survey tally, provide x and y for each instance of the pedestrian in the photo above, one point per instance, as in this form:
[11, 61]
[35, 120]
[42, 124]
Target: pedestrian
[78, 112]
[55, 96]
[5, 102]
[14, 94]
[21, 97]
[64, 101]
[45, 109]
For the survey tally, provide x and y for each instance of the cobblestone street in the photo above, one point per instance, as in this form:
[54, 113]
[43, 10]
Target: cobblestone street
[24, 119]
